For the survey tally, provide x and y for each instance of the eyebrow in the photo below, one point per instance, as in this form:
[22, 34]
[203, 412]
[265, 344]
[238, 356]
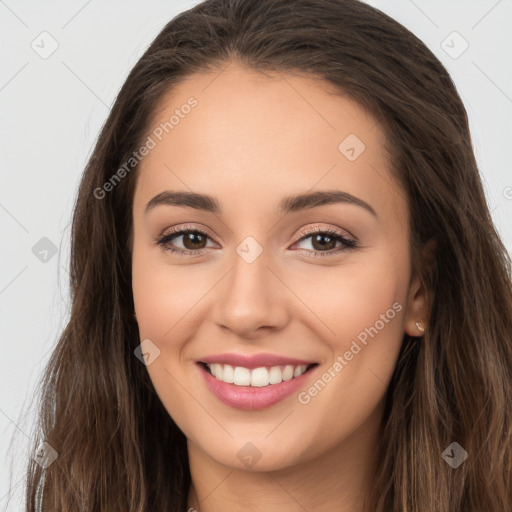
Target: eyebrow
[289, 204]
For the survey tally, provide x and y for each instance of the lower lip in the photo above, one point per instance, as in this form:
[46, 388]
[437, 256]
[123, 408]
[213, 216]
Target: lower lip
[253, 398]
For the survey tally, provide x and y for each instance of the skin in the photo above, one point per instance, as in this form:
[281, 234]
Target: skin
[253, 139]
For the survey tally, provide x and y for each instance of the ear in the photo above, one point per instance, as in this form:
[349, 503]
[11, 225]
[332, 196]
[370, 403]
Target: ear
[416, 317]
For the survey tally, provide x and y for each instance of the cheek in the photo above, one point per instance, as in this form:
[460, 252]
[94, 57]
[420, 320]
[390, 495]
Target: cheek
[360, 311]
[364, 305]
[349, 298]
[163, 294]
[164, 300]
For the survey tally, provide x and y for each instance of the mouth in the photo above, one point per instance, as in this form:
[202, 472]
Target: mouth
[257, 388]
[256, 377]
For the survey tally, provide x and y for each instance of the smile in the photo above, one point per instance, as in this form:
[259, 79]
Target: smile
[257, 377]
[253, 383]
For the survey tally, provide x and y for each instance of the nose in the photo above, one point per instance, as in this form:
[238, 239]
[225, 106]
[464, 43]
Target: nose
[252, 301]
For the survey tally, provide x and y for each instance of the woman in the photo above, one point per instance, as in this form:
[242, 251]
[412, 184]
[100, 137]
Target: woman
[287, 290]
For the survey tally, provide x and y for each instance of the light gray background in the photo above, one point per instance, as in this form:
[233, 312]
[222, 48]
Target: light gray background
[51, 111]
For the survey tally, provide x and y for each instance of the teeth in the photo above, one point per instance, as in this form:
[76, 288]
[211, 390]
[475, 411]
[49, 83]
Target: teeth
[288, 372]
[258, 377]
[241, 377]
[299, 370]
[217, 370]
[275, 375]
[228, 374]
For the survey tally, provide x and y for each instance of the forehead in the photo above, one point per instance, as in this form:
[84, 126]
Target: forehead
[251, 138]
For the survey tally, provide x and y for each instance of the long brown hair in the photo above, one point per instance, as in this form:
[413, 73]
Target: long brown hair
[118, 448]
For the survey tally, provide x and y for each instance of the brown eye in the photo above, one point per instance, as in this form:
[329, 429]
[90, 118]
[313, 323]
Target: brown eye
[323, 242]
[193, 241]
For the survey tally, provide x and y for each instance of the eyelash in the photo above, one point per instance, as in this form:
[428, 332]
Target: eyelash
[348, 243]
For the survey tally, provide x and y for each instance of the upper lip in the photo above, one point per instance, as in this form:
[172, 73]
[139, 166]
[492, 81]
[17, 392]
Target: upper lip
[254, 361]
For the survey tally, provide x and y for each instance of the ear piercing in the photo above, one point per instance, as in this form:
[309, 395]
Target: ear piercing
[420, 327]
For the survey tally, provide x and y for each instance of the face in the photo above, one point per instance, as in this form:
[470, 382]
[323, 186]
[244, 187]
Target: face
[300, 305]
